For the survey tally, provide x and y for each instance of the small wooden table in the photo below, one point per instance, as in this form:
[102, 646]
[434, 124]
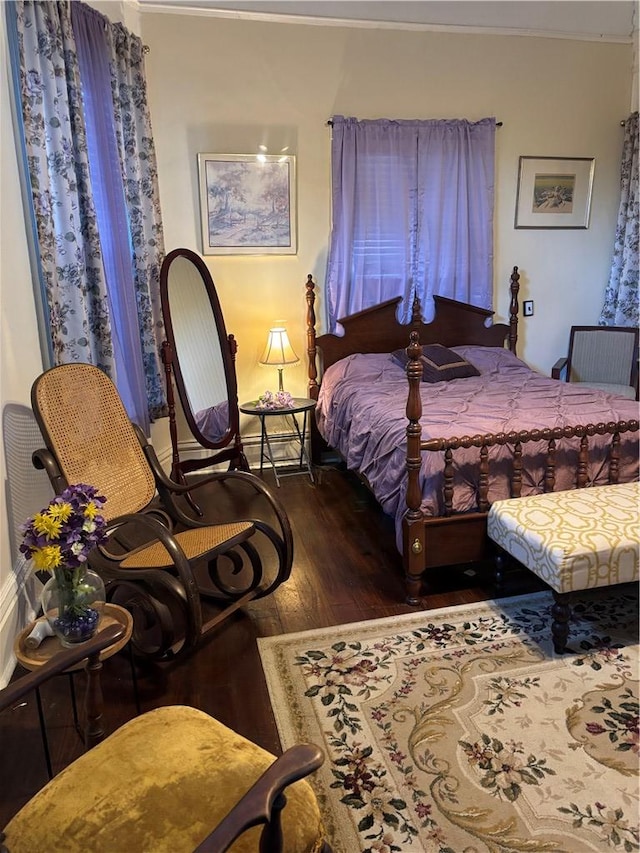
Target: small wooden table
[303, 463]
[32, 659]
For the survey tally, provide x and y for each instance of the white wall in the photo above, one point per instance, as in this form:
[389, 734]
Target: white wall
[20, 356]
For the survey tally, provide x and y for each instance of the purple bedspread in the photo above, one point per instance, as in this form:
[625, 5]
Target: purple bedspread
[362, 413]
[213, 422]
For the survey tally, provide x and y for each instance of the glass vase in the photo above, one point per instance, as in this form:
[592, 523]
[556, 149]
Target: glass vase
[73, 601]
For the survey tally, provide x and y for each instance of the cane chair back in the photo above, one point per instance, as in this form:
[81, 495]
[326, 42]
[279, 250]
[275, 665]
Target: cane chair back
[102, 449]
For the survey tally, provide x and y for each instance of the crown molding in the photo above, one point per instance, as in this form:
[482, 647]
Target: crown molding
[149, 7]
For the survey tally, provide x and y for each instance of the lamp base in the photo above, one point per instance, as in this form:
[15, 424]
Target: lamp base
[280, 386]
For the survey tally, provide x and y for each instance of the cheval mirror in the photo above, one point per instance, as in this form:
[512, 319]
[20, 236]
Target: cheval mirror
[199, 356]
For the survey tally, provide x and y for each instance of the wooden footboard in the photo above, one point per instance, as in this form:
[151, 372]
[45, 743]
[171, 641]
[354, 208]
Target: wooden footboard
[451, 537]
[457, 538]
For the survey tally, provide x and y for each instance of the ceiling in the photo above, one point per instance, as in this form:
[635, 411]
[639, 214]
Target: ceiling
[602, 20]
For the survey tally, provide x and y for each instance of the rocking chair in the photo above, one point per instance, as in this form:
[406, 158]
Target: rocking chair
[159, 562]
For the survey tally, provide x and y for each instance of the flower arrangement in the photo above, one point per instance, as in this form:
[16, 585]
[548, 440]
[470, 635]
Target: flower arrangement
[59, 540]
[279, 400]
[63, 534]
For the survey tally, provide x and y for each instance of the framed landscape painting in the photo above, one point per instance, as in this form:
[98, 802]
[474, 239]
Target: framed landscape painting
[247, 204]
[554, 192]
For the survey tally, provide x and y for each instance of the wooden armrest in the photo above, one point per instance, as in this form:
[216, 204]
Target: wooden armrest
[558, 367]
[59, 663]
[261, 800]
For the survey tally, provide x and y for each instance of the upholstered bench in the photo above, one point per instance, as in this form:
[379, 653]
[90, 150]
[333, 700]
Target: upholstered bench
[573, 540]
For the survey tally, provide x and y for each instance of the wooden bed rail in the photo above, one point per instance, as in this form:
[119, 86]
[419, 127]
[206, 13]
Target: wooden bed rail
[516, 440]
[415, 448]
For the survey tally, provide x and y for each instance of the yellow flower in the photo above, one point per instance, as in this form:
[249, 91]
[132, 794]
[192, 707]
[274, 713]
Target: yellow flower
[43, 523]
[62, 511]
[47, 558]
[91, 510]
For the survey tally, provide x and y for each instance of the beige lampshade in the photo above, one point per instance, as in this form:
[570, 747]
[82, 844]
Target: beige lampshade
[278, 351]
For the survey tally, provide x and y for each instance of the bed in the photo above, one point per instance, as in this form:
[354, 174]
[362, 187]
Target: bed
[436, 454]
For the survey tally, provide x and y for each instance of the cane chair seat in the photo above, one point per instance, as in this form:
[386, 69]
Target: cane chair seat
[194, 543]
[159, 557]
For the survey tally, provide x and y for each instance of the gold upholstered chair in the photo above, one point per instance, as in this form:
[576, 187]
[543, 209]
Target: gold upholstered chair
[173, 779]
[604, 357]
[161, 561]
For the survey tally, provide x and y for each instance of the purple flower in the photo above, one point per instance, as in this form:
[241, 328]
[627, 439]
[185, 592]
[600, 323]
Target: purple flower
[63, 534]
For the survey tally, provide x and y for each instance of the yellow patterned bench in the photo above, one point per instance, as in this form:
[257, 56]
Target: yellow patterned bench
[573, 540]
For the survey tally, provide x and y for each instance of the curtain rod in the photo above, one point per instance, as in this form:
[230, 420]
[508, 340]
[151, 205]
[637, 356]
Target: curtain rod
[498, 123]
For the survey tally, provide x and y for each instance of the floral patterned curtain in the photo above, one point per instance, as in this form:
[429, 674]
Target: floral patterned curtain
[65, 216]
[79, 297]
[621, 296]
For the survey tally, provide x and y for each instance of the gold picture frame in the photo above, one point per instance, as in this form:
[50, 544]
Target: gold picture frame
[554, 192]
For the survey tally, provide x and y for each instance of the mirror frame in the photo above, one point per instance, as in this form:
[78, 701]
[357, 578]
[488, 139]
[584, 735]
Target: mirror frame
[229, 447]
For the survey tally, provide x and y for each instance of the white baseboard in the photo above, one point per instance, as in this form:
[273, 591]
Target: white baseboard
[19, 602]
[190, 449]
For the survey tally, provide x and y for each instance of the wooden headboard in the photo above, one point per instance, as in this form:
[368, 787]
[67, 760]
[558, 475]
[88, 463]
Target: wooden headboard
[377, 329]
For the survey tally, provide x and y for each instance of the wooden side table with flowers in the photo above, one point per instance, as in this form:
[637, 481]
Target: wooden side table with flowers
[59, 539]
[32, 657]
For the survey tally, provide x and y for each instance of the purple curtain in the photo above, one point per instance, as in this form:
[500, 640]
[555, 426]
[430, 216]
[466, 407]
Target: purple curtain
[412, 214]
[111, 209]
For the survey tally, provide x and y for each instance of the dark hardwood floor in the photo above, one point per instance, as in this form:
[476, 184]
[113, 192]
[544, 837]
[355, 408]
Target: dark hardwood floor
[346, 569]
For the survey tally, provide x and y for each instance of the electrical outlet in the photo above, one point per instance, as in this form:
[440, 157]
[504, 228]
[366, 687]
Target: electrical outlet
[527, 308]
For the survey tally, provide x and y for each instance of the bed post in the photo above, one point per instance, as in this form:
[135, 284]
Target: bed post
[318, 444]
[412, 527]
[513, 310]
[311, 338]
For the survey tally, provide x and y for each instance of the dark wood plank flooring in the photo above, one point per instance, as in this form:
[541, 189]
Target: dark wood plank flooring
[346, 569]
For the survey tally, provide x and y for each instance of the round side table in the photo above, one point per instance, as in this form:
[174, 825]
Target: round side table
[33, 658]
[301, 405]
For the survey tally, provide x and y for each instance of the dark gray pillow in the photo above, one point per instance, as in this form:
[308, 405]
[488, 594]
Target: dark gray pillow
[439, 364]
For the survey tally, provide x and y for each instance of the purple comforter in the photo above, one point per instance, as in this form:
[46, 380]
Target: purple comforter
[362, 413]
[213, 422]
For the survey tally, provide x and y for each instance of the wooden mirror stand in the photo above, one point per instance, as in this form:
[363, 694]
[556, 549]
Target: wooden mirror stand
[199, 360]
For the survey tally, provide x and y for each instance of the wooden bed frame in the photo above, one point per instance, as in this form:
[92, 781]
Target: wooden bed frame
[450, 539]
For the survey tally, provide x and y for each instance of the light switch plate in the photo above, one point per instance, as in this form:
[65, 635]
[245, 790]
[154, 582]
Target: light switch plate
[527, 308]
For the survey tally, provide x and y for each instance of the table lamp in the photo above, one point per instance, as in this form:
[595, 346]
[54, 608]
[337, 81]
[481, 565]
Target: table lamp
[278, 351]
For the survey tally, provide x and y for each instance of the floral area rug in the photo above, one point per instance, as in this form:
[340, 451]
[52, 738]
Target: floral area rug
[460, 731]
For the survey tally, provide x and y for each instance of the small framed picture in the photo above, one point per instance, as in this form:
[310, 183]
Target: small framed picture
[554, 192]
[247, 204]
